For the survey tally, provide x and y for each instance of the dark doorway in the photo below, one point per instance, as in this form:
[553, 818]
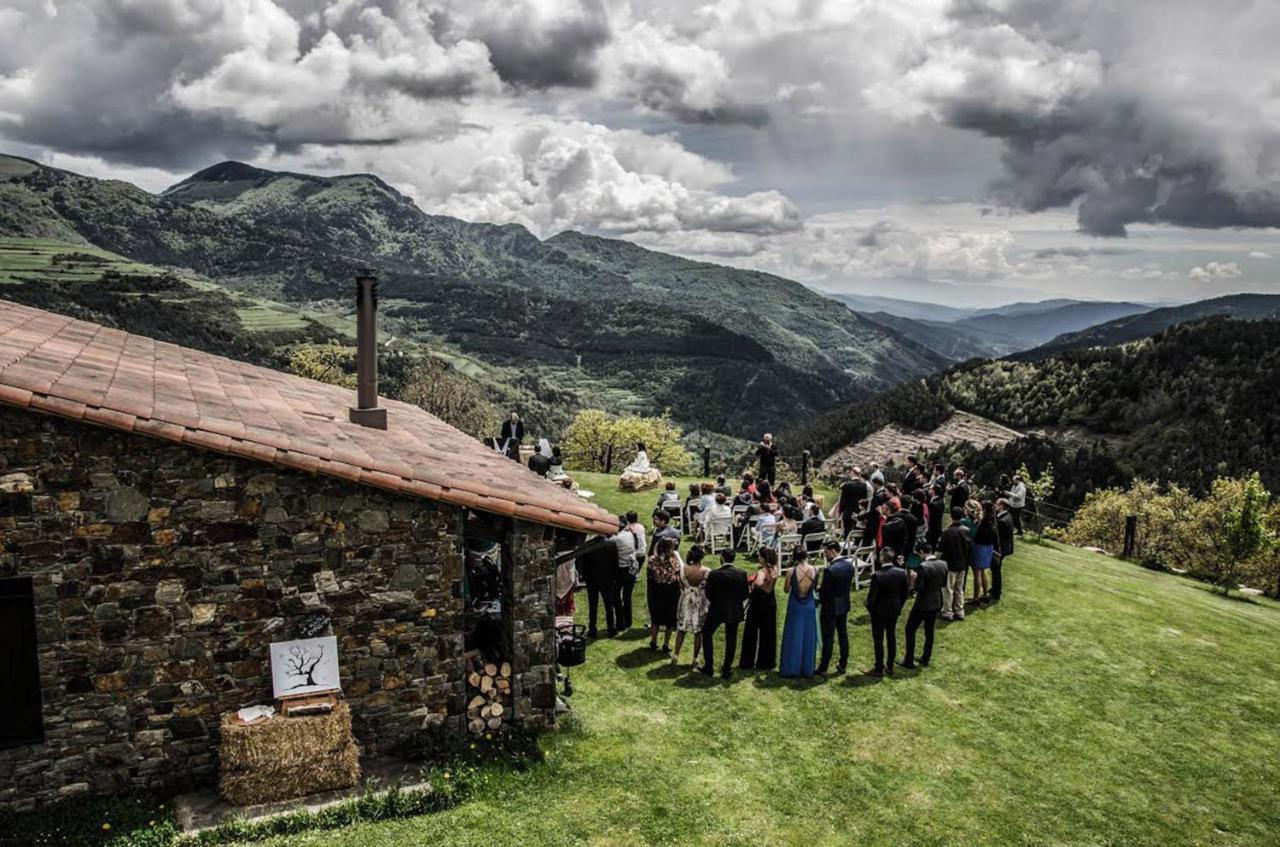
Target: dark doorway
[19, 667]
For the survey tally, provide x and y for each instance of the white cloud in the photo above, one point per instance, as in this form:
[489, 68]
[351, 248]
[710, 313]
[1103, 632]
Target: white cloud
[1214, 271]
[1259, 254]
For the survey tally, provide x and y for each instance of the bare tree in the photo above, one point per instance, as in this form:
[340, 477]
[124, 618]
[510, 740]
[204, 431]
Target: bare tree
[302, 662]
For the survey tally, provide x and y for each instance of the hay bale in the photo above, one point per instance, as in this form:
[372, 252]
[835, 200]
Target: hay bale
[283, 758]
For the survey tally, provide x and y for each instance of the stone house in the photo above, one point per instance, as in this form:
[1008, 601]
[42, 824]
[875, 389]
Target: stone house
[166, 514]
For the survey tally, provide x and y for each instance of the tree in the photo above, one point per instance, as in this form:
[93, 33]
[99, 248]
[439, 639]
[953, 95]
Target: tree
[331, 363]
[302, 662]
[1241, 534]
[588, 436]
[435, 386]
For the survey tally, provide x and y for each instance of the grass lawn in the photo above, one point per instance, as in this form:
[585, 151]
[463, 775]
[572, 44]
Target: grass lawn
[1099, 703]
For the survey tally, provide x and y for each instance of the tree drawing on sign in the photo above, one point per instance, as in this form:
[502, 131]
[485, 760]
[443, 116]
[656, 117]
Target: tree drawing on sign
[302, 662]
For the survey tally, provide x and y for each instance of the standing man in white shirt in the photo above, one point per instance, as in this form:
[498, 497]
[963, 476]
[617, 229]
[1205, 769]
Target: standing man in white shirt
[1017, 501]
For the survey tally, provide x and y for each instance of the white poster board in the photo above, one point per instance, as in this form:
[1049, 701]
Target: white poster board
[306, 666]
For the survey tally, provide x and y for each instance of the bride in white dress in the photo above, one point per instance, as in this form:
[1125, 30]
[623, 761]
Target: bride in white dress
[640, 464]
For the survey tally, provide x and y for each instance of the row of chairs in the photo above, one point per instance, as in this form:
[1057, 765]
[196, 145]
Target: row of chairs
[718, 534]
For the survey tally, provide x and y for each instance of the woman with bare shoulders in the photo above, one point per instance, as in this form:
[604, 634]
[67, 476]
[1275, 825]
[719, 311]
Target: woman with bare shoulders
[692, 611]
[760, 634]
[800, 632]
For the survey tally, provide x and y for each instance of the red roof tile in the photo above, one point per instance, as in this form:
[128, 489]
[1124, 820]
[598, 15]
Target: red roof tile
[75, 369]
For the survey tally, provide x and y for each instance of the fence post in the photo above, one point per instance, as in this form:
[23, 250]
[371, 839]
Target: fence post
[804, 468]
[1130, 535]
[608, 457]
[706, 460]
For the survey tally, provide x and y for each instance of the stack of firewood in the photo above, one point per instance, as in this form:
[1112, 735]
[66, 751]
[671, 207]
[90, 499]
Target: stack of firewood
[490, 687]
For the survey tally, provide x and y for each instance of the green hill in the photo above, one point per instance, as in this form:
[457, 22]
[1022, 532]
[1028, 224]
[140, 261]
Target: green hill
[1192, 403]
[570, 322]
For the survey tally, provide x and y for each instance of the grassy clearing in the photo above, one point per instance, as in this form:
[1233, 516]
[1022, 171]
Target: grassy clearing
[1099, 703]
[24, 259]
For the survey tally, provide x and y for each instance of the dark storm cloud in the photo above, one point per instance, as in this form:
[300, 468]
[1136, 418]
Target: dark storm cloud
[1142, 146]
[564, 54]
[665, 91]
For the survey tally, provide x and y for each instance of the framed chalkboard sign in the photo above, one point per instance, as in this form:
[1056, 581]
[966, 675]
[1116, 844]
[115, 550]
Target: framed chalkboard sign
[313, 625]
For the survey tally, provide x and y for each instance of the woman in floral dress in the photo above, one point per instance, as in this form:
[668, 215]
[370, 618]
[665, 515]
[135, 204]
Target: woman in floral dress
[692, 611]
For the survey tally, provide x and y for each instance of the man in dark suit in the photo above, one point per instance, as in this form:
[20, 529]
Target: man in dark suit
[727, 588]
[600, 566]
[885, 598]
[1005, 530]
[833, 606]
[937, 517]
[957, 550]
[852, 495]
[897, 533]
[931, 581]
[959, 490]
[813, 525]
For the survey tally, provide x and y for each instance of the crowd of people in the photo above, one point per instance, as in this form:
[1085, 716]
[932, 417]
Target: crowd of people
[922, 536]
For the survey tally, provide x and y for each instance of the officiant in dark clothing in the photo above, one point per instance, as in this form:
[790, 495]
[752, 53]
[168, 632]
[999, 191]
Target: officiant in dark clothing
[767, 453]
[511, 436]
[852, 495]
[727, 589]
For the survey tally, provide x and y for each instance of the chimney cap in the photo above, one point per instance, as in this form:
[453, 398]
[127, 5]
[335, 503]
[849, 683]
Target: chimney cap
[366, 273]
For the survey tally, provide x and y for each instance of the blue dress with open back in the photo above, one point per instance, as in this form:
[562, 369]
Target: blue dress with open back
[799, 633]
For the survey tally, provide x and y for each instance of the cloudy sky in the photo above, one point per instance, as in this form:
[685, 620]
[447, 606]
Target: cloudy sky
[960, 151]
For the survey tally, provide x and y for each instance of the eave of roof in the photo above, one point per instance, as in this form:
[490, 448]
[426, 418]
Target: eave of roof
[82, 371]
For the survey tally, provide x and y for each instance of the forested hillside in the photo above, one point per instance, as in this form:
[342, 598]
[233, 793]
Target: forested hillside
[550, 326]
[1192, 403]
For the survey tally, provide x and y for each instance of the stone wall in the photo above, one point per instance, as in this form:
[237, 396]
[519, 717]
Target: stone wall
[162, 573]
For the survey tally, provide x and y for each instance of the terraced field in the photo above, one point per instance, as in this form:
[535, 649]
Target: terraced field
[33, 259]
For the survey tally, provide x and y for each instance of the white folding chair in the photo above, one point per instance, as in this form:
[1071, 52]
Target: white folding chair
[864, 562]
[719, 533]
[813, 542]
[740, 525]
[787, 546]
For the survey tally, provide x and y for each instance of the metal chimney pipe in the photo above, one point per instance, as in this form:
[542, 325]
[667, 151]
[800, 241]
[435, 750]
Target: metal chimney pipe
[367, 412]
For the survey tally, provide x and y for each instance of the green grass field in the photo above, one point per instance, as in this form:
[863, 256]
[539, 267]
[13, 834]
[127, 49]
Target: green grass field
[24, 259]
[1097, 704]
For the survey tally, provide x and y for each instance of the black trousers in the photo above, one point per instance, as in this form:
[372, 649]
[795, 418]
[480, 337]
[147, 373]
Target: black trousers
[709, 628]
[623, 584]
[996, 561]
[833, 626]
[760, 634]
[770, 474]
[604, 593]
[914, 619]
[1017, 518]
[884, 628]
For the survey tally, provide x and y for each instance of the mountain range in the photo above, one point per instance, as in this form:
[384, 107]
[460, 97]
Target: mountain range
[550, 325]
[960, 334]
[1142, 324]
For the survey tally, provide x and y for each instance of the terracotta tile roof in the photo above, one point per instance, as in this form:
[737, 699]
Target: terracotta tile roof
[74, 369]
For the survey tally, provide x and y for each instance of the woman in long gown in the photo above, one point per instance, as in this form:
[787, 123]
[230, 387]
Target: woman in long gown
[800, 632]
[664, 592]
[760, 635]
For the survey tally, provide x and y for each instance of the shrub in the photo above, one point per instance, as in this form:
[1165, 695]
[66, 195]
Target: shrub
[588, 436]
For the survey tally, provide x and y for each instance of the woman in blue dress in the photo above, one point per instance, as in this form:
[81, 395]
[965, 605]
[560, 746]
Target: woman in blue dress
[800, 632]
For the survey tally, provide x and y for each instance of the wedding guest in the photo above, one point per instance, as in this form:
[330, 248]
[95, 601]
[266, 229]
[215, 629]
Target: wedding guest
[691, 614]
[760, 632]
[833, 606]
[599, 569]
[726, 592]
[800, 631]
[624, 581]
[984, 546]
[957, 551]
[664, 592]
[931, 583]
[885, 598]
